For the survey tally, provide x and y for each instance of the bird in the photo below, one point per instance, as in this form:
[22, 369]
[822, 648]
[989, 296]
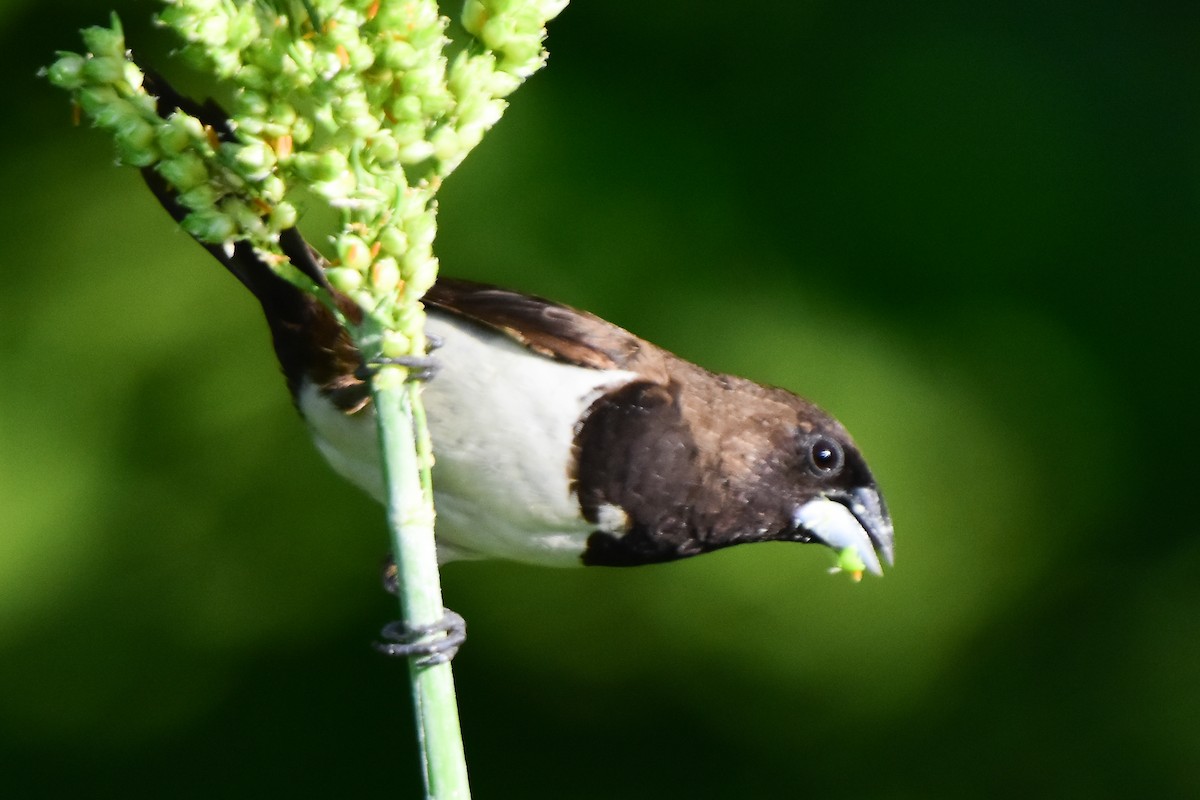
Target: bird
[562, 439]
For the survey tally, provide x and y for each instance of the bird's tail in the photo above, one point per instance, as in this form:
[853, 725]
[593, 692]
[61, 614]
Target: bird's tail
[309, 340]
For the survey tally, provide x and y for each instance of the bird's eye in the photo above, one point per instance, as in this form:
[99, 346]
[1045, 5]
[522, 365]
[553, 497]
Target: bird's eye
[825, 456]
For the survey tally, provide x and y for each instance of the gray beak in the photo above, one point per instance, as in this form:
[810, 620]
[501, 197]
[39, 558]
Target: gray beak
[855, 519]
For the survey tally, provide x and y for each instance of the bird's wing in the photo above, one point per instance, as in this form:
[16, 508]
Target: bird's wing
[546, 327]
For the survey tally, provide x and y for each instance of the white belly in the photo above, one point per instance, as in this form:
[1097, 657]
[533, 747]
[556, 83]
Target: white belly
[503, 422]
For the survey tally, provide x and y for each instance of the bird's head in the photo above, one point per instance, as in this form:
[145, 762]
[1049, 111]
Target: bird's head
[833, 499]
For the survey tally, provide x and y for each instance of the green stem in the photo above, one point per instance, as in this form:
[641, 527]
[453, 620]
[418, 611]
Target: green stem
[328, 110]
[406, 462]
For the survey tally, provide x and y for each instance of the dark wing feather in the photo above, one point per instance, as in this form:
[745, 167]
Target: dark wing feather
[546, 327]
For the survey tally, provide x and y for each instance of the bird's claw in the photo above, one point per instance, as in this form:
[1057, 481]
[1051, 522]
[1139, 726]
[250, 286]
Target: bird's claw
[420, 368]
[423, 642]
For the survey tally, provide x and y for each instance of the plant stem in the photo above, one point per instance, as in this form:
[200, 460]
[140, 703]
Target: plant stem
[315, 103]
[406, 466]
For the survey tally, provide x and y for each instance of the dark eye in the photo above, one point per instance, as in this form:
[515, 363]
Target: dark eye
[825, 456]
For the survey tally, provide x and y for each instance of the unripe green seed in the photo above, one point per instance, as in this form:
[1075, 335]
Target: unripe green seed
[104, 69]
[302, 131]
[354, 113]
[204, 196]
[362, 57]
[253, 160]
[362, 126]
[145, 105]
[436, 102]
[353, 252]
[343, 279]
[272, 189]
[67, 71]
[251, 104]
[385, 275]
[400, 55]
[421, 228]
[850, 562]
[103, 41]
[421, 279]
[175, 135]
[502, 84]
[331, 164]
[316, 167]
[415, 152]
[406, 16]
[243, 28]
[408, 132]
[424, 80]
[338, 189]
[469, 71]
[113, 115]
[212, 30]
[133, 76]
[394, 344]
[253, 77]
[283, 215]
[406, 108]
[383, 148]
[522, 52]
[470, 136]
[427, 36]
[252, 126]
[135, 142]
[409, 318]
[474, 16]
[184, 171]
[172, 141]
[135, 156]
[245, 218]
[282, 113]
[446, 145]
[326, 63]
[176, 17]
[94, 98]
[198, 7]
[393, 241]
[209, 226]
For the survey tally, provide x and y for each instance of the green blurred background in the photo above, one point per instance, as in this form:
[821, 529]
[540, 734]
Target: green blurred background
[969, 231]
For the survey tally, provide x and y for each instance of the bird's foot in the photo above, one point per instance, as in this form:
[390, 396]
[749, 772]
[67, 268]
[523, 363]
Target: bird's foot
[420, 368]
[402, 641]
[431, 644]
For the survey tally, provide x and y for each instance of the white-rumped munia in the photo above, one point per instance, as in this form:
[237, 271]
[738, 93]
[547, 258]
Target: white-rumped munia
[563, 439]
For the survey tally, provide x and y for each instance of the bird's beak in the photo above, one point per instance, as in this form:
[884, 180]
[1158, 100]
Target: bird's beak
[856, 519]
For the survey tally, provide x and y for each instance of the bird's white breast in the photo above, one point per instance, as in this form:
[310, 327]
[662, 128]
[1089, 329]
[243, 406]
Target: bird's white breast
[503, 422]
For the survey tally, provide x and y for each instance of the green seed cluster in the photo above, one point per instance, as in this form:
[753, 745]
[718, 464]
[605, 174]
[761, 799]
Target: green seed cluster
[353, 100]
[210, 178]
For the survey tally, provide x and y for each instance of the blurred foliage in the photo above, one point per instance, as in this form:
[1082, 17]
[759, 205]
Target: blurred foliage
[969, 231]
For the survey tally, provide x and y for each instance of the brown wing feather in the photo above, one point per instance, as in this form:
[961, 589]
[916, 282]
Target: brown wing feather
[546, 327]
